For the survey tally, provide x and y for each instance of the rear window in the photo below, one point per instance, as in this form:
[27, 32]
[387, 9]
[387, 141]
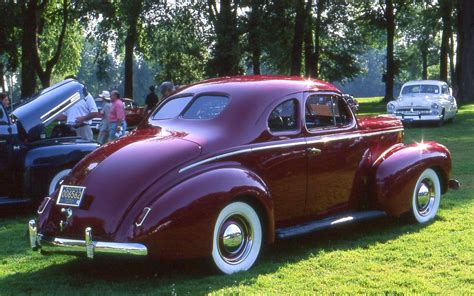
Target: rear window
[172, 108]
[206, 107]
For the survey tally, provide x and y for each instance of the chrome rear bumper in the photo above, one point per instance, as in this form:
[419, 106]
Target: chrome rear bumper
[88, 246]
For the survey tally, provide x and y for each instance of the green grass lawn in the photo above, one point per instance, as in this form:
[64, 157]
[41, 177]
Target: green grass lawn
[382, 256]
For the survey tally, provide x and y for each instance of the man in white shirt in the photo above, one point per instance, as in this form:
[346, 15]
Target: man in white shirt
[80, 116]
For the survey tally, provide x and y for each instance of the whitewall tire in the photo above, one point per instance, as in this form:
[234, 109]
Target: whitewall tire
[237, 238]
[426, 197]
[56, 180]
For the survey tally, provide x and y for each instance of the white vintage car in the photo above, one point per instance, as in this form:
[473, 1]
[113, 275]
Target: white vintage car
[424, 100]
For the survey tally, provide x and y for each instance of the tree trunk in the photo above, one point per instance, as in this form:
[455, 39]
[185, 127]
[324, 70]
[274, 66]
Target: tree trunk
[452, 69]
[296, 53]
[226, 52]
[28, 41]
[466, 86]
[390, 75]
[424, 62]
[308, 43]
[255, 35]
[446, 10]
[317, 36]
[2, 77]
[130, 42]
[459, 49]
[128, 75]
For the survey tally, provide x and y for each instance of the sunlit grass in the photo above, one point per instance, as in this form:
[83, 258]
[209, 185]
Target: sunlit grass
[382, 256]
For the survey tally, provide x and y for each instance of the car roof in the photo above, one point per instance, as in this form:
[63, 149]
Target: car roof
[413, 82]
[258, 87]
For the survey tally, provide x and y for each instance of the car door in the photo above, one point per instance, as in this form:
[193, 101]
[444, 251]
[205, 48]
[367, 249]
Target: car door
[6, 149]
[335, 151]
[281, 160]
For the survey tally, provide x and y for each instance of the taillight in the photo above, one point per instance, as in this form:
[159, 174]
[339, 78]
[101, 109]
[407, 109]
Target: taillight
[142, 217]
[43, 205]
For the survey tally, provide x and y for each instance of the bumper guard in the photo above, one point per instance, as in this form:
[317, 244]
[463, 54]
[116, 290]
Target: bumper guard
[87, 246]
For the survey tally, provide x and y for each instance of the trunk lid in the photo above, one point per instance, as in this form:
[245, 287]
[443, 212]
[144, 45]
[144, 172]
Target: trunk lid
[116, 175]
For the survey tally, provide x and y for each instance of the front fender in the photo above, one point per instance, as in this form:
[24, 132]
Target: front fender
[181, 221]
[42, 162]
[395, 172]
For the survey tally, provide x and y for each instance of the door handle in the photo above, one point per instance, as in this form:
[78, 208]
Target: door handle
[313, 151]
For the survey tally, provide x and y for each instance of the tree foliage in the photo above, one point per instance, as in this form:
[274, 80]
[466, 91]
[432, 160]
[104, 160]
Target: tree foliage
[114, 42]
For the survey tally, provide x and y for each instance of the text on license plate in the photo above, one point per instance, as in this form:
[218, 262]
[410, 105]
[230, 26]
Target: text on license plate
[70, 195]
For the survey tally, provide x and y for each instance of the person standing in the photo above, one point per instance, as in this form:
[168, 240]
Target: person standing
[116, 116]
[79, 117]
[166, 89]
[103, 136]
[5, 100]
[151, 99]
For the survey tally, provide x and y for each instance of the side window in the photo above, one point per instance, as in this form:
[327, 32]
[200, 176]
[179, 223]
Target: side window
[445, 90]
[322, 111]
[283, 117]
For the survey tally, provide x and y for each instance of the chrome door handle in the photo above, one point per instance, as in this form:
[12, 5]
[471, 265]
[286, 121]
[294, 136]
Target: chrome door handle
[313, 151]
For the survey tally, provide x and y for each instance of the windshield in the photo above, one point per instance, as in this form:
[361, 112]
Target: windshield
[420, 88]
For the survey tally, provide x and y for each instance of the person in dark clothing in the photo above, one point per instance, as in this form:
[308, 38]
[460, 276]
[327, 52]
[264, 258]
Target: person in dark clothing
[151, 99]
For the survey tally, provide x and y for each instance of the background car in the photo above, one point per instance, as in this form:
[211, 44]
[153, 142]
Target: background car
[32, 165]
[134, 114]
[424, 100]
[225, 166]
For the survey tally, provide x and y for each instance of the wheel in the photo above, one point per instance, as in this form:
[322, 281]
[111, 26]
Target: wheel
[426, 197]
[57, 179]
[237, 238]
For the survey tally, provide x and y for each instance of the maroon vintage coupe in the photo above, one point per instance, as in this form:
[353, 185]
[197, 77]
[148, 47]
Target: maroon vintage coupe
[224, 166]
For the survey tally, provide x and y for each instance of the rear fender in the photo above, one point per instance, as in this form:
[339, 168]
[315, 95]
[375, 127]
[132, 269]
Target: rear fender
[395, 172]
[180, 223]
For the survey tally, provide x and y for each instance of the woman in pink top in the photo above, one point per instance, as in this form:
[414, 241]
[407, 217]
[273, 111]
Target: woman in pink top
[116, 116]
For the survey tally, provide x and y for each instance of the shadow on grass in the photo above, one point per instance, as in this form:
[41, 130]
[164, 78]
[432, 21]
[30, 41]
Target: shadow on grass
[115, 275]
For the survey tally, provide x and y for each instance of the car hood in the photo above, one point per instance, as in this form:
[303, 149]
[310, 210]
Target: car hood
[116, 175]
[45, 106]
[418, 99]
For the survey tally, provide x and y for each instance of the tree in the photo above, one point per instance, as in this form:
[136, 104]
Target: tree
[383, 13]
[10, 38]
[226, 53]
[419, 26]
[465, 62]
[446, 9]
[255, 33]
[298, 35]
[131, 10]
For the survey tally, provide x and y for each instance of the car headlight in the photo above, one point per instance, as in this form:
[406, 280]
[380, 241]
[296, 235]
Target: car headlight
[434, 106]
[390, 107]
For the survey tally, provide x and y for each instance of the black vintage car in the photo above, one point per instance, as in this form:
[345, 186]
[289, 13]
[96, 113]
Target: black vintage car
[32, 163]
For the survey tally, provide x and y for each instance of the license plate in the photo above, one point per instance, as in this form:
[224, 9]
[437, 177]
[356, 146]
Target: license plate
[70, 195]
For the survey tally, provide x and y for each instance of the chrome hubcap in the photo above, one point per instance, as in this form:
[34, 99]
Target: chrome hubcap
[425, 197]
[235, 239]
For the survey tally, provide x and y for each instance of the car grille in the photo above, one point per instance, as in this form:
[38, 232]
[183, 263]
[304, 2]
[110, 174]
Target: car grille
[414, 110]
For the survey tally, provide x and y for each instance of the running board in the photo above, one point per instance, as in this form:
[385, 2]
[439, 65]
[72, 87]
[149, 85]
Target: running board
[8, 201]
[326, 223]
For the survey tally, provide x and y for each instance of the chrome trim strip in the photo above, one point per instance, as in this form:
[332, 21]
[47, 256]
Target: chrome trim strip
[40, 211]
[60, 108]
[285, 145]
[140, 223]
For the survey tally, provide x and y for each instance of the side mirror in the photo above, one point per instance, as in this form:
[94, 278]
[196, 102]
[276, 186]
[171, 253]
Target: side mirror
[450, 91]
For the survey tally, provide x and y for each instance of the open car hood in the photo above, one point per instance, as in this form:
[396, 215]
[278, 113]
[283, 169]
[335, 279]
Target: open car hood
[42, 108]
